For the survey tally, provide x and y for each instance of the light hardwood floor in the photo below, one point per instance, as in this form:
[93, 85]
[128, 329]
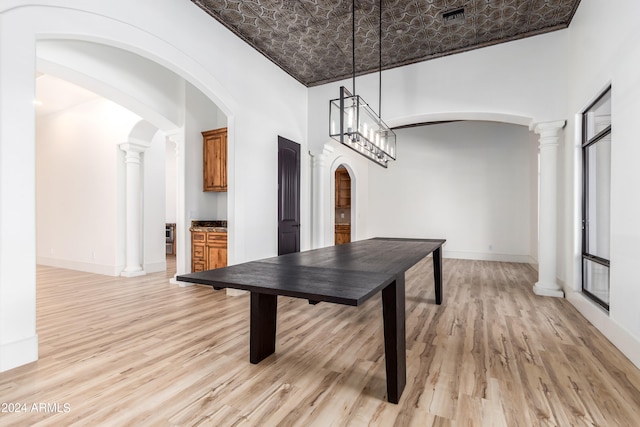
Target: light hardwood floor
[141, 352]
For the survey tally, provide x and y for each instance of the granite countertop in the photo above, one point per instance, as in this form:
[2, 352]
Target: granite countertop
[218, 226]
[209, 229]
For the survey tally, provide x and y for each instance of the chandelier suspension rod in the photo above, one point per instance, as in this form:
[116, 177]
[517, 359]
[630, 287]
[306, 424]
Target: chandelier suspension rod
[380, 63]
[353, 44]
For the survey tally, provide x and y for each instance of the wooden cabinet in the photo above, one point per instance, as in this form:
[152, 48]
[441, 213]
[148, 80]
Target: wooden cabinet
[343, 188]
[198, 251]
[216, 250]
[343, 234]
[214, 160]
[208, 250]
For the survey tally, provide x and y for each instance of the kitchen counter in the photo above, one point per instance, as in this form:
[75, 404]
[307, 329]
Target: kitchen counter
[209, 229]
[217, 226]
[208, 245]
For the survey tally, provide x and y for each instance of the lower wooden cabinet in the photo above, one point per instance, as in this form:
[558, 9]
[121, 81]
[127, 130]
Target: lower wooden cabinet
[343, 234]
[208, 250]
[216, 250]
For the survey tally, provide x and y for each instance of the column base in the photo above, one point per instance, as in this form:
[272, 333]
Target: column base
[175, 281]
[548, 290]
[136, 273]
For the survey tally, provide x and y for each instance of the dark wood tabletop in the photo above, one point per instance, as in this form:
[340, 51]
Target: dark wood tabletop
[343, 274]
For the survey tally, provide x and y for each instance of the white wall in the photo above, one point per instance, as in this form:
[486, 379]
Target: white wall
[77, 158]
[80, 190]
[520, 82]
[523, 80]
[181, 37]
[170, 182]
[95, 132]
[467, 182]
[534, 197]
[154, 202]
[201, 115]
[603, 49]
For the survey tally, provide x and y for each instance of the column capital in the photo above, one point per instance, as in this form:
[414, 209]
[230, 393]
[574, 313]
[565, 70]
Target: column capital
[135, 146]
[175, 135]
[322, 153]
[548, 128]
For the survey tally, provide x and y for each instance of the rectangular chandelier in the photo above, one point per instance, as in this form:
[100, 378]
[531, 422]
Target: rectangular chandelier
[353, 123]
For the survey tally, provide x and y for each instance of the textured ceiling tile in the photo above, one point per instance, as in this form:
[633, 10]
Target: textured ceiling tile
[312, 39]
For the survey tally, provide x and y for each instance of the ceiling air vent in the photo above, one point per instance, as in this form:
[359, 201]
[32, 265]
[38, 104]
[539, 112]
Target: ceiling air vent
[453, 16]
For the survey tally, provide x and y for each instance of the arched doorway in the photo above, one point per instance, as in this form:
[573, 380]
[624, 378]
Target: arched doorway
[342, 205]
[170, 95]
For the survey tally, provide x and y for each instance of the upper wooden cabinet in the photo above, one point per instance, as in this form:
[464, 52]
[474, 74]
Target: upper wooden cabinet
[214, 160]
[343, 188]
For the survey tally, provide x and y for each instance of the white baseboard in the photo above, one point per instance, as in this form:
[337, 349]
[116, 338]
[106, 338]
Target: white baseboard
[619, 337]
[108, 270]
[485, 256]
[18, 353]
[155, 267]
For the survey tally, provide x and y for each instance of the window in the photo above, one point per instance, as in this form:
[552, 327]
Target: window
[596, 193]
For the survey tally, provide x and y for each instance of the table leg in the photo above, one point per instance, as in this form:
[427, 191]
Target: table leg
[394, 338]
[263, 326]
[437, 274]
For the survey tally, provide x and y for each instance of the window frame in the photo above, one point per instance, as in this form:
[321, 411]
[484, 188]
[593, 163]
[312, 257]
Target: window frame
[586, 144]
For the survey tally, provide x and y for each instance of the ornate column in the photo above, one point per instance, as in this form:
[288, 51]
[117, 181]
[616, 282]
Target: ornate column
[132, 150]
[176, 136]
[320, 195]
[549, 140]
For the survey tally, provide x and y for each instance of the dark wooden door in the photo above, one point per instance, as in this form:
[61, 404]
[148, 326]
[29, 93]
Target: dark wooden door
[288, 196]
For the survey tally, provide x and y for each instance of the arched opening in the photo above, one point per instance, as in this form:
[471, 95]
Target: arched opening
[342, 206]
[196, 62]
[177, 107]
[474, 182]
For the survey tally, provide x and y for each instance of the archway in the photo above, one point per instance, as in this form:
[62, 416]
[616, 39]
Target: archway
[342, 206]
[160, 97]
[257, 108]
[452, 116]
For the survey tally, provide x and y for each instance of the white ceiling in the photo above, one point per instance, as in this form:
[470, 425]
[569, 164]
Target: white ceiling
[54, 95]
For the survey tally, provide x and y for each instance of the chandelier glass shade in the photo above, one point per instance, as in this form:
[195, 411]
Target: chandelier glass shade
[353, 123]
